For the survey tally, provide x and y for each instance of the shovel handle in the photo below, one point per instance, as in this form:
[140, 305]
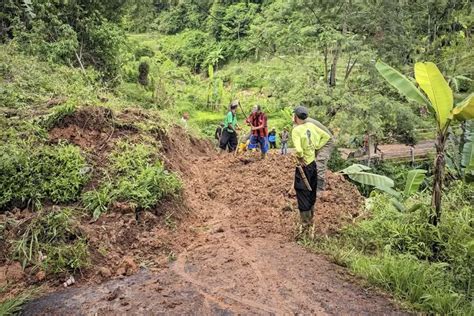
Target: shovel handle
[303, 176]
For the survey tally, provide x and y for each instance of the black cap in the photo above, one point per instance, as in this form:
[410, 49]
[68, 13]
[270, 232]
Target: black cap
[301, 112]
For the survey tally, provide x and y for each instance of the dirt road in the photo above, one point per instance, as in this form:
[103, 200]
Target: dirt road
[240, 256]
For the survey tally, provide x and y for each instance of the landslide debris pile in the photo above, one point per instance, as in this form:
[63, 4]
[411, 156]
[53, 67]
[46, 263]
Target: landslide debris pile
[268, 184]
[124, 235]
[123, 213]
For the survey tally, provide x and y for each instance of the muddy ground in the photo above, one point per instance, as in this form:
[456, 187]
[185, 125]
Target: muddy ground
[234, 251]
[226, 247]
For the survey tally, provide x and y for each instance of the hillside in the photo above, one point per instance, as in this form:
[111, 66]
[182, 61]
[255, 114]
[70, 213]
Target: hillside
[115, 199]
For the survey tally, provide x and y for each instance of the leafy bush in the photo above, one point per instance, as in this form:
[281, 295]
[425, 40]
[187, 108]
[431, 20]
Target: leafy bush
[37, 41]
[51, 241]
[137, 177]
[32, 174]
[71, 33]
[189, 48]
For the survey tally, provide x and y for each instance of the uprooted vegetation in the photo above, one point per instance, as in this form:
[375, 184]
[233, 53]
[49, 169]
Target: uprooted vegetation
[135, 179]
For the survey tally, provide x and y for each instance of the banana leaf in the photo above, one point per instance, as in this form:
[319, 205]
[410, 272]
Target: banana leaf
[414, 180]
[464, 111]
[437, 89]
[354, 168]
[468, 149]
[401, 83]
[372, 179]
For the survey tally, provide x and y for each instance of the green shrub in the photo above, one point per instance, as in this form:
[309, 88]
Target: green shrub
[429, 266]
[26, 82]
[32, 174]
[424, 284]
[189, 48]
[57, 114]
[51, 241]
[137, 177]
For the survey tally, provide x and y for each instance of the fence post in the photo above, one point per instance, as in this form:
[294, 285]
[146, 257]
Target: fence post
[412, 155]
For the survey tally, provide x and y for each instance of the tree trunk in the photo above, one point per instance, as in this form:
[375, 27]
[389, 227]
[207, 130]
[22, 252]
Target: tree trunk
[438, 178]
[332, 78]
[326, 64]
[349, 67]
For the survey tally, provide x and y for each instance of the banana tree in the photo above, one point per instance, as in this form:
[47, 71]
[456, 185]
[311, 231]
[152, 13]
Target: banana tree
[436, 94]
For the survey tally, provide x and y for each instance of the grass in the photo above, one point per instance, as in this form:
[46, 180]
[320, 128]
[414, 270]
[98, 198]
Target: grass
[51, 241]
[33, 173]
[137, 177]
[395, 251]
[13, 306]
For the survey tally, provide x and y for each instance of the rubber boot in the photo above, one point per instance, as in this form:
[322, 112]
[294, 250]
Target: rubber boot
[311, 228]
[305, 218]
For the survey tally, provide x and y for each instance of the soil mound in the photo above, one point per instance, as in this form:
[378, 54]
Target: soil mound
[268, 185]
[236, 254]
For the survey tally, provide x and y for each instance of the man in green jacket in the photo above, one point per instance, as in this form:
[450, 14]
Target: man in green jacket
[307, 139]
[228, 138]
[323, 155]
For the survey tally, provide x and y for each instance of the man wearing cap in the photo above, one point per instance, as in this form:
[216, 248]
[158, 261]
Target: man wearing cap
[258, 122]
[307, 138]
[229, 134]
[323, 155]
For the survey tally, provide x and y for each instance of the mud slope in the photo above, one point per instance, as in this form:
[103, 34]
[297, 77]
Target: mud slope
[238, 254]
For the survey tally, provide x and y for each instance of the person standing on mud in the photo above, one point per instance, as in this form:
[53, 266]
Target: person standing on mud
[272, 139]
[218, 133]
[228, 138]
[307, 139]
[323, 155]
[258, 122]
[284, 136]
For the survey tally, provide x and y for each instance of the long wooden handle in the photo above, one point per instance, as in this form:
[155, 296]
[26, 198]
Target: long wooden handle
[303, 175]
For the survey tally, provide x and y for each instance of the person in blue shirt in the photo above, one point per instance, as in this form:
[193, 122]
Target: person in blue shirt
[272, 138]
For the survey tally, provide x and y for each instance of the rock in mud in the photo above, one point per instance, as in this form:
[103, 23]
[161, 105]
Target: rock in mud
[3, 277]
[14, 272]
[40, 276]
[128, 266]
[105, 272]
[115, 293]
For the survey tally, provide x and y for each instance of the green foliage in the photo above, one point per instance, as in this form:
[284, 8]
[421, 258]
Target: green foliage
[27, 83]
[468, 148]
[97, 201]
[143, 71]
[52, 241]
[395, 251]
[13, 306]
[57, 114]
[189, 48]
[336, 162]
[415, 178]
[32, 174]
[68, 32]
[137, 177]
[403, 84]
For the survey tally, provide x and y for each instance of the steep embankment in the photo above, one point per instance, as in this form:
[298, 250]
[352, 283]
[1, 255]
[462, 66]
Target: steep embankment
[235, 252]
